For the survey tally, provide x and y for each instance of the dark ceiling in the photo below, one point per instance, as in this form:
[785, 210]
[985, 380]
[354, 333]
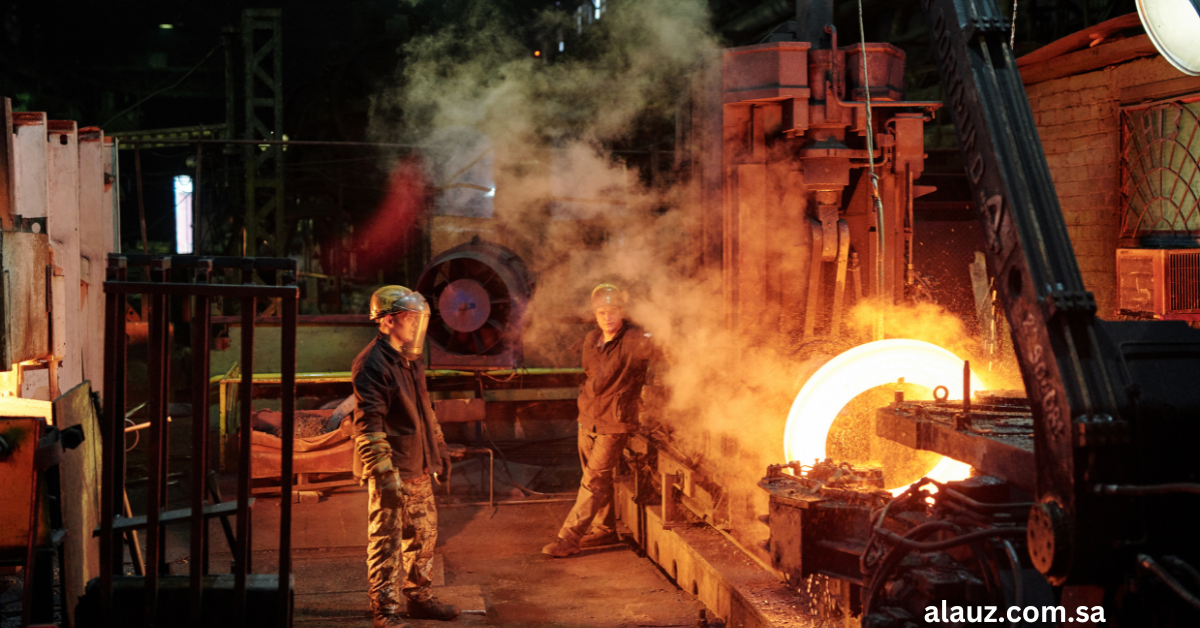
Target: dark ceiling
[130, 65]
[91, 61]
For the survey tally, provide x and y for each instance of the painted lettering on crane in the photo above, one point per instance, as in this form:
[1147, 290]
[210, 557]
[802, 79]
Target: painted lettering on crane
[993, 205]
[1035, 357]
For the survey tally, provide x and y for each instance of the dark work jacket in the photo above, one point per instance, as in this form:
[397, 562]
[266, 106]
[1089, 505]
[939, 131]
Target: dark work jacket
[610, 398]
[392, 398]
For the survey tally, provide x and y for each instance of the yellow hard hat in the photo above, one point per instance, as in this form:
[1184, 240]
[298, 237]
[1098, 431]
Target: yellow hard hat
[386, 300]
[607, 294]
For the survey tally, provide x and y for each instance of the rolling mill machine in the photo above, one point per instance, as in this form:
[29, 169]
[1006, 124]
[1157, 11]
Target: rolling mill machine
[1075, 482]
[786, 165]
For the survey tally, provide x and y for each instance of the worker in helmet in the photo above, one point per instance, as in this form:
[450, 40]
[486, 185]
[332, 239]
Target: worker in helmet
[616, 359]
[400, 445]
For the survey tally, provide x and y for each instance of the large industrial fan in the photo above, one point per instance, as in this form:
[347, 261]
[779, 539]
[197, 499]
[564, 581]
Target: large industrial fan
[478, 292]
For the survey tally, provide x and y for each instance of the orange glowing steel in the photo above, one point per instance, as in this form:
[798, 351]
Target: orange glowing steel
[859, 370]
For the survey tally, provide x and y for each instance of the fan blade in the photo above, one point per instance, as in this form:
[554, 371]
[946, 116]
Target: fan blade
[492, 277]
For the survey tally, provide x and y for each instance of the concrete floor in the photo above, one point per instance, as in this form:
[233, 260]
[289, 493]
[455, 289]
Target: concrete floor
[488, 559]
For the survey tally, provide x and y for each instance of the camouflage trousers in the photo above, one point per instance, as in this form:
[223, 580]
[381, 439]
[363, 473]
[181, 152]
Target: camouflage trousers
[400, 545]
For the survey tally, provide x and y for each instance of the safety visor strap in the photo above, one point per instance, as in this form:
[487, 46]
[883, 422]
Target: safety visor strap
[396, 309]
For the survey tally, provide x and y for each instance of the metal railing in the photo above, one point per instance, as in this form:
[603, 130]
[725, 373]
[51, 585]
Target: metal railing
[167, 277]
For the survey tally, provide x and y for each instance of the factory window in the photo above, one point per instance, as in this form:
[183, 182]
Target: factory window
[183, 214]
[1160, 177]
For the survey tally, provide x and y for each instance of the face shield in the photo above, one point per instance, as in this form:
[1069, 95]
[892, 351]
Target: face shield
[413, 322]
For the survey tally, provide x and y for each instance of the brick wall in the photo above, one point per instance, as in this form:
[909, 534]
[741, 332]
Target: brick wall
[1078, 120]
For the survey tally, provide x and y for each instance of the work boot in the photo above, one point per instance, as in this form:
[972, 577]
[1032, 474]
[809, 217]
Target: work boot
[431, 609]
[387, 620]
[596, 538]
[561, 548]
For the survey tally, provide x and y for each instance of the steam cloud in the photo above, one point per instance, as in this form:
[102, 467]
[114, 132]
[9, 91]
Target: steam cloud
[584, 219]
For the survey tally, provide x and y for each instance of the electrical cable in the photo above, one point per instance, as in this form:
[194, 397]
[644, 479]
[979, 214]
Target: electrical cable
[1018, 584]
[1141, 491]
[137, 436]
[504, 459]
[159, 91]
[515, 372]
[1012, 37]
[1175, 562]
[986, 507]
[962, 539]
[877, 202]
[1148, 564]
[895, 555]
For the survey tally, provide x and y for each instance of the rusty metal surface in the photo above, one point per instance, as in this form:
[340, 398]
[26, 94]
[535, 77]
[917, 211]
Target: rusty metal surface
[189, 276]
[79, 476]
[8, 172]
[992, 437]
[23, 260]
[17, 453]
[1161, 284]
[760, 199]
[267, 461]
[460, 410]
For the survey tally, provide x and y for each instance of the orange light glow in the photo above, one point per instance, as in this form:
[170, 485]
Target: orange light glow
[948, 470]
[860, 369]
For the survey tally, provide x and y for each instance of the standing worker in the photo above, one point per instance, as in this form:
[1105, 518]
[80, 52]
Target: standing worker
[400, 443]
[616, 358]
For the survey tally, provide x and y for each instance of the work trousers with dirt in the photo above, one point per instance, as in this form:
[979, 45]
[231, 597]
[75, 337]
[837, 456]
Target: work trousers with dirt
[599, 454]
[400, 545]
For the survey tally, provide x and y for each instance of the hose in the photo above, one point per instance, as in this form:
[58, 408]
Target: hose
[1148, 564]
[1018, 584]
[504, 459]
[895, 555]
[938, 546]
[1140, 491]
[1179, 564]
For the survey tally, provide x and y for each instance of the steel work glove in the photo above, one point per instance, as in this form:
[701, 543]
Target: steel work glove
[447, 460]
[375, 452]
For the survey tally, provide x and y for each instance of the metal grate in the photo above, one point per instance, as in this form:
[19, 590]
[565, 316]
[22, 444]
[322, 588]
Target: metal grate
[1183, 272]
[1160, 178]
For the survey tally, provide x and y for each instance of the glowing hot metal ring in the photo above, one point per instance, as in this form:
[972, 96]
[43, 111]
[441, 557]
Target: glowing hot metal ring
[856, 371]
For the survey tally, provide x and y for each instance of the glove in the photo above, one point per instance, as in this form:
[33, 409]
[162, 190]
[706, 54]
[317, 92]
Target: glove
[444, 454]
[375, 453]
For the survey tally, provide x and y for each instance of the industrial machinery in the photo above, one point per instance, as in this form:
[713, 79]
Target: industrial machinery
[806, 203]
[31, 520]
[479, 291]
[1076, 482]
[1077, 486]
